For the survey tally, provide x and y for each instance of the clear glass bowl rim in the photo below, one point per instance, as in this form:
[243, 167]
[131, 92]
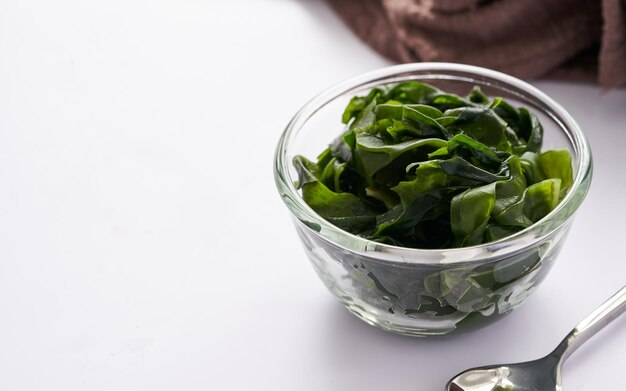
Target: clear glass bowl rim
[516, 242]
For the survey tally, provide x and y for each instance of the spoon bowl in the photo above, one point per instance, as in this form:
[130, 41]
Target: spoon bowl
[543, 374]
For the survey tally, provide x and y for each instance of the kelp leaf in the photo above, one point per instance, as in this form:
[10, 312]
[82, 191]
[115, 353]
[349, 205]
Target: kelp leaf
[365, 118]
[557, 163]
[359, 103]
[345, 210]
[417, 197]
[530, 130]
[510, 115]
[531, 168]
[477, 96]
[424, 118]
[459, 167]
[383, 194]
[446, 100]
[402, 219]
[372, 153]
[496, 232]
[428, 176]
[511, 190]
[483, 125]
[541, 198]
[342, 146]
[308, 171]
[538, 200]
[412, 92]
[420, 167]
[389, 111]
[482, 153]
[470, 212]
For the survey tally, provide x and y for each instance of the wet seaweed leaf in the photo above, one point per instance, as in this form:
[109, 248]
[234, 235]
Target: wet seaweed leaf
[421, 167]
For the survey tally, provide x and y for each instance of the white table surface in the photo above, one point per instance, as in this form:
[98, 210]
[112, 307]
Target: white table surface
[143, 245]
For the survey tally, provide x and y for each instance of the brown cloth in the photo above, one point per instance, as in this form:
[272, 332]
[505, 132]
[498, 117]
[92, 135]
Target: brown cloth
[571, 39]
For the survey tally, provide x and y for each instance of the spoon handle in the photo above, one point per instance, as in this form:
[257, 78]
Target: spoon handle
[594, 322]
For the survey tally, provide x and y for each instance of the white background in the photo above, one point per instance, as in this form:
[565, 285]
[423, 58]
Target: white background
[143, 245]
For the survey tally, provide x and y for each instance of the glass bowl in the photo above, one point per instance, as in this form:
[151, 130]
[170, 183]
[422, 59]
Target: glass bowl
[430, 292]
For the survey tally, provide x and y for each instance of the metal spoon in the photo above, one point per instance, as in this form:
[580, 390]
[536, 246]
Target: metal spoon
[543, 374]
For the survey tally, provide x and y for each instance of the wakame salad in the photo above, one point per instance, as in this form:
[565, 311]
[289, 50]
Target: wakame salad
[422, 168]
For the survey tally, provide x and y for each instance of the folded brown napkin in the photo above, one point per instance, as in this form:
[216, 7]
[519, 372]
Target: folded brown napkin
[571, 39]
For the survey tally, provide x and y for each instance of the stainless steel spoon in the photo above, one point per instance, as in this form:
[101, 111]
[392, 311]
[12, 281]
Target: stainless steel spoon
[543, 374]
